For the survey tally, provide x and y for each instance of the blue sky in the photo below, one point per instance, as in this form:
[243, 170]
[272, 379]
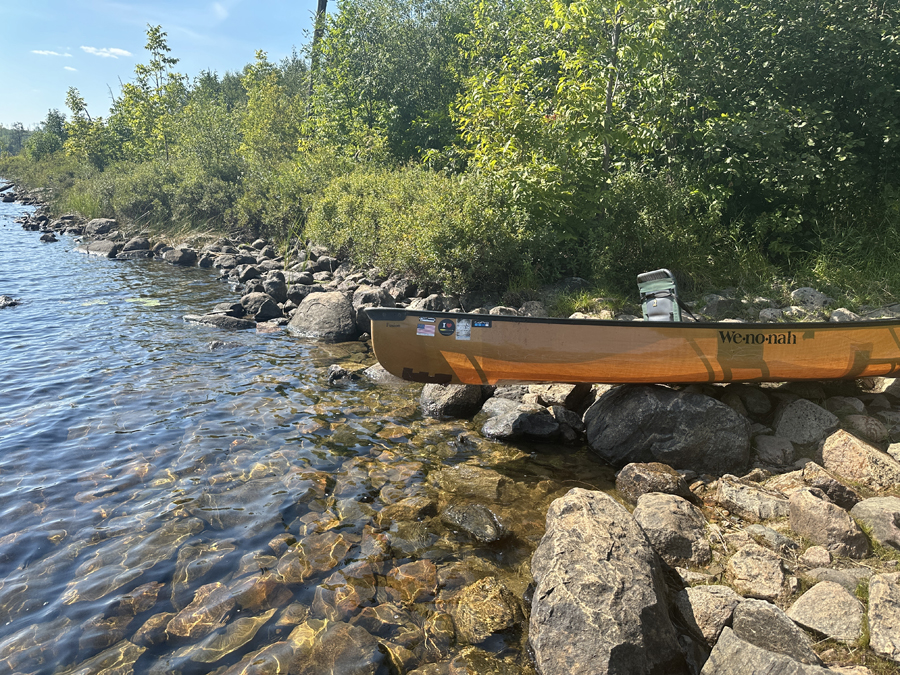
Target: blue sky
[47, 46]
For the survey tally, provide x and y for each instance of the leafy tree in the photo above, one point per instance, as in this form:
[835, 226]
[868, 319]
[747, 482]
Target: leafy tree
[87, 138]
[49, 138]
[390, 72]
[148, 105]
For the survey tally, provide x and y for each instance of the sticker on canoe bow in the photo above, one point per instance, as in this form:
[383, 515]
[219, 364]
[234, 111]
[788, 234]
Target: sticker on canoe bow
[481, 323]
[426, 319]
[464, 329]
[446, 327]
[426, 378]
[425, 329]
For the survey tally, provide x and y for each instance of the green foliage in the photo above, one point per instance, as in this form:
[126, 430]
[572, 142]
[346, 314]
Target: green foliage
[148, 106]
[389, 70]
[49, 138]
[416, 222]
[13, 139]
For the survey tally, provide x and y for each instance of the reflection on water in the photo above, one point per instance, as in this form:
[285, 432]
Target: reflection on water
[178, 499]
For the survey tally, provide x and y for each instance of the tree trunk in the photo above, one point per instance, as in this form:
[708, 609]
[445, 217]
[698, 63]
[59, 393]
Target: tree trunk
[318, 32]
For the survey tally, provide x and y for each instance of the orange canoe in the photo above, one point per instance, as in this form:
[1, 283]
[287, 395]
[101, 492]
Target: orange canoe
[447, 347]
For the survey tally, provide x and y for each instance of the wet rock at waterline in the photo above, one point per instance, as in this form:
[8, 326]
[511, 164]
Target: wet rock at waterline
[260, 307]
[101, 247]
[327, 316]
[450, 400]
[580, 621]
[221, 321]
[8, 301]
[637, 423]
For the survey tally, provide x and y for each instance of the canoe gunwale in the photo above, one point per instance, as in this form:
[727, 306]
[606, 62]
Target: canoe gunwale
[394, 314]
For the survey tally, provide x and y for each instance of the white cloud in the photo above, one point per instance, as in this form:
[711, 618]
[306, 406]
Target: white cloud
[109, 53]
[46, 52]
[74, 70]
[220, 10]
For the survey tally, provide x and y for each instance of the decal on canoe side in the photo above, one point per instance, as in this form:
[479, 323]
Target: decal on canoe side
[464, 329]
[446, 327]
[481, 323]
[425, 329]
[426, 378]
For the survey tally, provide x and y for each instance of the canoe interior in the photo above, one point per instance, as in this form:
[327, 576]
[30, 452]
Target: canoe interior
[448, 347]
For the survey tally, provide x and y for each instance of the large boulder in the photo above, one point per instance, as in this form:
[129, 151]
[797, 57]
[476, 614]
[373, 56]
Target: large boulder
[599, 602]
[326, 316]
[656, 424]
[102, 248]
[707, 609]
[180, 256]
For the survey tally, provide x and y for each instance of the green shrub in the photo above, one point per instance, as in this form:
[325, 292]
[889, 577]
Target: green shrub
[435, 227]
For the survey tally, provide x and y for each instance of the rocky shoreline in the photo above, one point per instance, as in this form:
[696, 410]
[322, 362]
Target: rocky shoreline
[754, 529]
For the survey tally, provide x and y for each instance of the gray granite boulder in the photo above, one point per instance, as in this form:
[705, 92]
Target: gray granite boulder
[260, 307]
[369, 296]
[450, 400]
[820, 521]
[221, 321]
[750, 501]
[707, 609]
[734, 656]
[756, 572]
[804, 423]
[773, 450]
[857, 461]
[839, 493]
[638, 423]
[100, 226]
[881, 515]
[763, 624]
[599, 603]
[327, 316]
[884, 615]
[524, 421]
[675, 527]
[102, 248]
[637, 479]
[180, 256]
[828, 609]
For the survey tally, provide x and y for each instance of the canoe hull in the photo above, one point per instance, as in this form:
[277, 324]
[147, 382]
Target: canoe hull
[447, 347]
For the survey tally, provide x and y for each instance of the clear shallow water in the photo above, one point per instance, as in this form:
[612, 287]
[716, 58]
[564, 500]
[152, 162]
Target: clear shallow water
[141, 461]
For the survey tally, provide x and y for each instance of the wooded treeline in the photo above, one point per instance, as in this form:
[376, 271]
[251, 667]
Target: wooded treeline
[510, 142]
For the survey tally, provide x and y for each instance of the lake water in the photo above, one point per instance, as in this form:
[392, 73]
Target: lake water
[175, 498]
